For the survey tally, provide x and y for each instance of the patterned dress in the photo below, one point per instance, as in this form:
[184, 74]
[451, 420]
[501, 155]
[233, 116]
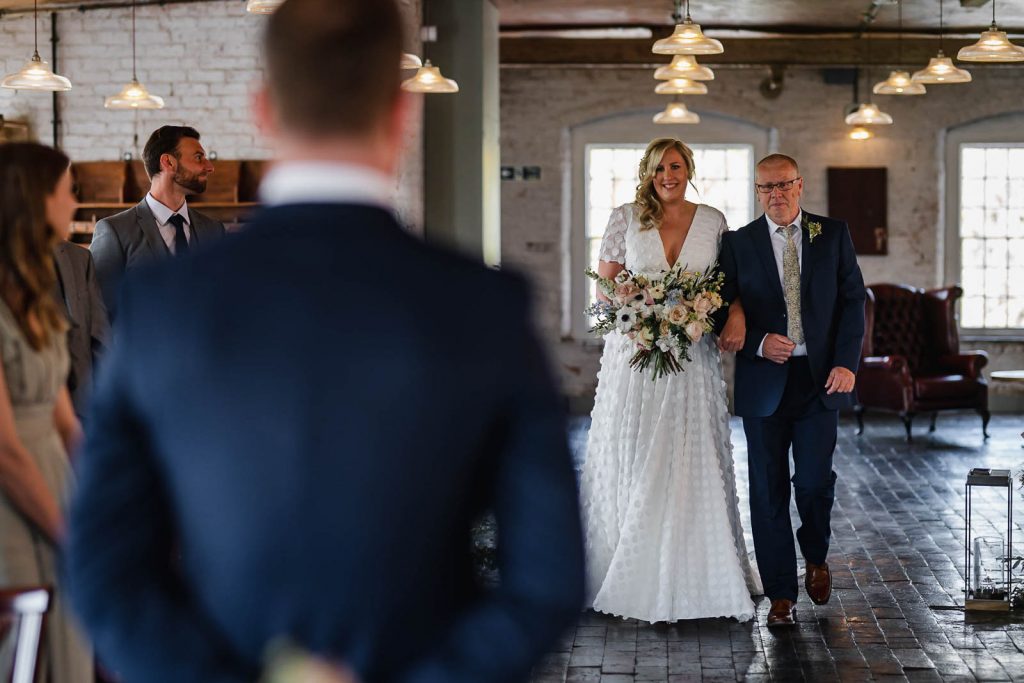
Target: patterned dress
[27, 557]
[660, 510]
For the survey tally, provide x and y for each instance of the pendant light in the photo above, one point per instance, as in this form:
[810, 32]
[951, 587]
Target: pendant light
[410, 61]
[899, 82]
[676, 112]
[429, 80]
[867, 113]
[940, 68]
[262, 6]
[687, 39]
[993, 46]
[681, 86]
[36, 74]
[134, 95]
[684, 66]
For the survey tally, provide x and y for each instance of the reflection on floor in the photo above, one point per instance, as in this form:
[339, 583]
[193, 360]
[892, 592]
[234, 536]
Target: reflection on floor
[897, 559]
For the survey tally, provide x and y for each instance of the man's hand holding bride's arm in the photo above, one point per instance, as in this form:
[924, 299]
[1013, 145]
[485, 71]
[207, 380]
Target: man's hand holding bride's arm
[734, 333]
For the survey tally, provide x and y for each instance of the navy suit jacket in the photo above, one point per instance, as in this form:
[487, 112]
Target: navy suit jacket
[313, 416]
[831, 303]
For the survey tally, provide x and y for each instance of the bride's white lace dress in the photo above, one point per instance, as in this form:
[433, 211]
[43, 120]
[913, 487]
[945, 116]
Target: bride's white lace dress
[660, 511]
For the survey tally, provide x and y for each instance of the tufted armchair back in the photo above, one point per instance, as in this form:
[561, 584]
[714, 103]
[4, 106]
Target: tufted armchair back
[919, 325]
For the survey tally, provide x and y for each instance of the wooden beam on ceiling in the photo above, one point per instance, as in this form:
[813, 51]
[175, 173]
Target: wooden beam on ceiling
[526, 52]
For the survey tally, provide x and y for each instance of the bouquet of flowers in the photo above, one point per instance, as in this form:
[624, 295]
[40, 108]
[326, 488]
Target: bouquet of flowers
[662, 315]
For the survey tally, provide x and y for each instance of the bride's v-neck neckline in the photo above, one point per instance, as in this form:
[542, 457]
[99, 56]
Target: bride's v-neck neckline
[682, 247]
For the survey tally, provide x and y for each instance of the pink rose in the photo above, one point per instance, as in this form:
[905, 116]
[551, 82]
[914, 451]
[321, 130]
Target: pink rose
[694, 330]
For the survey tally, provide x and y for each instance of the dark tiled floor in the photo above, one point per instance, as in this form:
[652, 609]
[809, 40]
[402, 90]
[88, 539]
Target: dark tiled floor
[897, 560]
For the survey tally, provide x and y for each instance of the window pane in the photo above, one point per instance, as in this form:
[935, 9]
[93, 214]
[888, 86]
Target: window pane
[995, 192]
[1016, 192]
[972, 192]
[1016, 250]
[996, 255]
[1015, 222]
[972, 222]
[1015, 162]
[995, 312]
[972, 162]
[972, 312]
[1015, 312]
[973, 254]
[995, 162]
[995, 223]
[973, 281]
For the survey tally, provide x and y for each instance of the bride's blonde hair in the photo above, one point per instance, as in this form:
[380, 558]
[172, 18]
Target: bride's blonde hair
[648, 205]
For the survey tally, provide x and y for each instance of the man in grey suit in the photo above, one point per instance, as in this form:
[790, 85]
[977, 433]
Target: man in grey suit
[161, 225]
[88, 328]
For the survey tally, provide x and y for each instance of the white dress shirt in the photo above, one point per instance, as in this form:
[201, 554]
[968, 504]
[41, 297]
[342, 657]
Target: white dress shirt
[322, 182]
[779, 249]
[162, 215]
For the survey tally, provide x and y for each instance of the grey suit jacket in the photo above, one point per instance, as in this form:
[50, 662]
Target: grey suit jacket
[129, 239]
[89, 329]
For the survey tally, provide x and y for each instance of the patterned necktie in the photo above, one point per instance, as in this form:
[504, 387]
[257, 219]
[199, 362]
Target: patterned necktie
[791, 280]
[180, 242]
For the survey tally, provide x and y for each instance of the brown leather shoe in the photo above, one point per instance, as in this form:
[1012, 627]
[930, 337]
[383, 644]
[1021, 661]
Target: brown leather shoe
[782, 613]
[818, 582]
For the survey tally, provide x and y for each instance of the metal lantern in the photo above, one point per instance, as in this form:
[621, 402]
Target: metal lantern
[987, 556]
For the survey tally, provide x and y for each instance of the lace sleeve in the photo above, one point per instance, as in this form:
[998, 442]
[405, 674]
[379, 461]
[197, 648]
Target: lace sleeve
[613, 244]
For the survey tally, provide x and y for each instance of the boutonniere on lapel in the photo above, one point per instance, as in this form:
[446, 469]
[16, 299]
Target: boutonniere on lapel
[813, 228]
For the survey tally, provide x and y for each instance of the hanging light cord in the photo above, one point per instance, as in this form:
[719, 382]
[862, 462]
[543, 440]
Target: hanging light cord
[899, 36]
[35, 20]
[993, 13]
[942, 44]
[688, 12]
[135, 76]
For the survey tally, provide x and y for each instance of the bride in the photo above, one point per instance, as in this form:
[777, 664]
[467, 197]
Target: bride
[660, 510]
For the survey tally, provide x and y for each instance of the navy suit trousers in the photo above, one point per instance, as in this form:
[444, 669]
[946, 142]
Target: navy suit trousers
[803, 422]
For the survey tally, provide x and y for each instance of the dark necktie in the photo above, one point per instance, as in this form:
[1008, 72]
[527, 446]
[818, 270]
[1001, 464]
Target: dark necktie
[180, 242]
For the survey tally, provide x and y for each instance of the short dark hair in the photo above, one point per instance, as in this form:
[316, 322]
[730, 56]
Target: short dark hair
[772, 159]
[164, 140]
[333, 66]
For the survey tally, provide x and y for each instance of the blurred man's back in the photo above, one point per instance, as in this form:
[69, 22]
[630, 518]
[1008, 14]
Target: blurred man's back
[315, 414]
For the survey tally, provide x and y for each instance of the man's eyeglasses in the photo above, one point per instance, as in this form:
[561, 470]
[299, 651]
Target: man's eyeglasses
[781, 187]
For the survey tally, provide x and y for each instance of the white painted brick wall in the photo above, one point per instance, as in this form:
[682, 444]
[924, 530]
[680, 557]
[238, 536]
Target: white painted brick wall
[539, 106]
[203, 59]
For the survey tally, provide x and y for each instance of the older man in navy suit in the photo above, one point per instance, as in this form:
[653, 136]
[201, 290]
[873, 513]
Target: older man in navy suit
[797, 277]
[316, 413]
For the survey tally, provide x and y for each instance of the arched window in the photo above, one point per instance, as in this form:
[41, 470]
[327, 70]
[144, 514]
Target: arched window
[984, 223]
[603, 175]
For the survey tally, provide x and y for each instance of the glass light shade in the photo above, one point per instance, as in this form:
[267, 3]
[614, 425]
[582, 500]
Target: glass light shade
[861, 133]
[681, 86]
[684, 66]
[993, 46]
[898, 83]
[134, 96]
[687, 39]
[868, 114]
[429, 80]
[941, 70]
[262, 6]
[410, 61]
[36, 75]
[676, 112]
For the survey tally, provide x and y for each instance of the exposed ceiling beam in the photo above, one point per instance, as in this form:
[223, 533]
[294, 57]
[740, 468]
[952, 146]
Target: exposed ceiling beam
[802, 51]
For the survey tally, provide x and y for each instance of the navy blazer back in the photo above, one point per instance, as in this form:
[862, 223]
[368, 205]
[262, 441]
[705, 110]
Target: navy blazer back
[317, 410]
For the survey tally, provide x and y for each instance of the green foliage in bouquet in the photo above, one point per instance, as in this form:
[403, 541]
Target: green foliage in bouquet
[663, 315]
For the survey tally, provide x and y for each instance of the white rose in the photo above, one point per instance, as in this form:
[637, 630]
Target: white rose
[694, 330]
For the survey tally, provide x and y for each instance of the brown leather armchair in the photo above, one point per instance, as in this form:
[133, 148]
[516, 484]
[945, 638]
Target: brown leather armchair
[911, 361]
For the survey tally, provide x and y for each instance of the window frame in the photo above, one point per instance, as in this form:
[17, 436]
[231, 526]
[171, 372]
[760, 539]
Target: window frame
[1005, 130]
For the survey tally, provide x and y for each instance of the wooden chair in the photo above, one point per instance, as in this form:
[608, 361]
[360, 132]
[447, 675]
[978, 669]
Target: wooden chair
[22, 614]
